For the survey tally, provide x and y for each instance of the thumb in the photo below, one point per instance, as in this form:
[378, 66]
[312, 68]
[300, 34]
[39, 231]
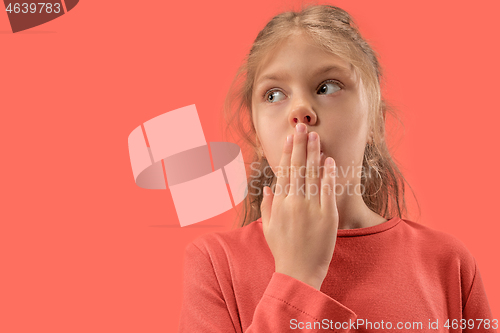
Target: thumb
[265, 206]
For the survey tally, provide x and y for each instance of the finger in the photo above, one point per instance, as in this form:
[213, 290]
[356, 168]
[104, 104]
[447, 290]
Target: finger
[312, 181]
[328, 200]
[298, 160]
[265, 206]
[283, 174]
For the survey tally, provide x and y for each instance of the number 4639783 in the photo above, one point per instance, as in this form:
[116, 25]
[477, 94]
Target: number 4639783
[32, 7]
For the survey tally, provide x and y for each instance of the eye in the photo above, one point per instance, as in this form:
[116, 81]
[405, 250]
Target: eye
[270, 96]
[331, 83]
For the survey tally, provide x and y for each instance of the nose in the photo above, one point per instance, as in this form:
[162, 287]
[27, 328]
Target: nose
[303, 114]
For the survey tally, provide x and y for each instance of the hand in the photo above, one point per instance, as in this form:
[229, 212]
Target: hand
[300, 225]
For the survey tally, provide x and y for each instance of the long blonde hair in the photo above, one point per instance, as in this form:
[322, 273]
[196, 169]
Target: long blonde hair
[335, 31]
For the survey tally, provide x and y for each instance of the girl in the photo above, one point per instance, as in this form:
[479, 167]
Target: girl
[323, 245]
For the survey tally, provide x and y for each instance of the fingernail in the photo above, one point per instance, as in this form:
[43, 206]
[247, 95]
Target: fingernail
[312, 136]
[289, 138]
[329, 161]
[300, 128]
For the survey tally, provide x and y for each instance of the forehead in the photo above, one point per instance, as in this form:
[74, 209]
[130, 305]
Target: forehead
[300, 54]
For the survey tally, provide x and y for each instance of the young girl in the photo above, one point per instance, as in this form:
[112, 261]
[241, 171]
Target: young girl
[322, 243]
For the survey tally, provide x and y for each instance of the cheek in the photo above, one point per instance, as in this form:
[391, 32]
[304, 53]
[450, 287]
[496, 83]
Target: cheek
[271, 141]
[346, 134]
[352, 121]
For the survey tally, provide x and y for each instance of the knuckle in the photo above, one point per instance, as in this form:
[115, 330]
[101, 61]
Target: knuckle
[296, 205]
[280, 173]
[326, 189]
[312, 172]
[295, 169]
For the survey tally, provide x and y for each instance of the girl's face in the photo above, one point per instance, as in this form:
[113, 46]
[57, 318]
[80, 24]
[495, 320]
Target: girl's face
[300, 82]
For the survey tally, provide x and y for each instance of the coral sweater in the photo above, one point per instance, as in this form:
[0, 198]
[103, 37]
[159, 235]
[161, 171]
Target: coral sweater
[397, 276]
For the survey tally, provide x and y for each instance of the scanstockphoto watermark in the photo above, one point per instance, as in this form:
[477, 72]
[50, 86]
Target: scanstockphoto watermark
[327, 324]
[311, 172]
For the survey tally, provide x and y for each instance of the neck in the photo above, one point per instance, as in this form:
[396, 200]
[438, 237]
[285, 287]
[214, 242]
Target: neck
[354, 213]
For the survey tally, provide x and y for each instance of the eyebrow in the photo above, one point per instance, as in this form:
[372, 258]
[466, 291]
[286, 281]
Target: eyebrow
[283, 76]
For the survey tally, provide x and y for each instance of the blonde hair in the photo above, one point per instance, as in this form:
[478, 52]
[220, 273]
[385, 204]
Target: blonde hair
[335, 31]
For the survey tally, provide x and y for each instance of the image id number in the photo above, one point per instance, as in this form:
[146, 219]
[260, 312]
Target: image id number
[34, 7]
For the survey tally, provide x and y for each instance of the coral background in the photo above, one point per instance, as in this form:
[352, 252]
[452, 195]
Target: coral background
[83, 249]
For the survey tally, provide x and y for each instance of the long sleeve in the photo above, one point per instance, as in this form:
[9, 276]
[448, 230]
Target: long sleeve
[477, 309]
[209, 303]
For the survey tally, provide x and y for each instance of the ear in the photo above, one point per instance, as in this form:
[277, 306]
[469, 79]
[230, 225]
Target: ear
[369, 139]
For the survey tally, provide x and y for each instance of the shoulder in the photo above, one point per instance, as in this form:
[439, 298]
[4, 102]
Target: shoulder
[229, 242]
[445, 257]
[442, 246]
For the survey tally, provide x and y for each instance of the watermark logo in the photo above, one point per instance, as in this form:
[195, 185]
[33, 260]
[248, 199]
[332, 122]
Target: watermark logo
[171, 150]
[24, 15]
[298, 176]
